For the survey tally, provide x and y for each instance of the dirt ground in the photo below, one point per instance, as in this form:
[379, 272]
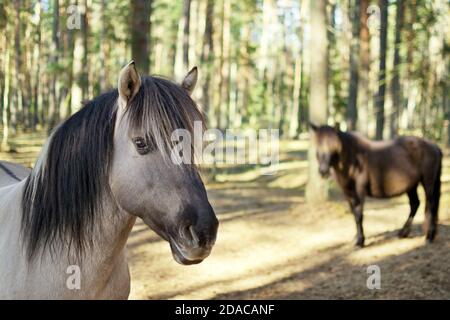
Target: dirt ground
[272, 245]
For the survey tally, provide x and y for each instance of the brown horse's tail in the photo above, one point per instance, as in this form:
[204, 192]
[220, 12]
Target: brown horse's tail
[437, 186]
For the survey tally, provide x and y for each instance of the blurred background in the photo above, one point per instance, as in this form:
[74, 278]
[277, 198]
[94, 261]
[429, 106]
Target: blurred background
[378, 67]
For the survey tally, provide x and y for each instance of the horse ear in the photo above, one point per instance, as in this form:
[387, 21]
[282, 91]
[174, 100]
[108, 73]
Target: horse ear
[190, 80]
[313, 126]
[129, 82]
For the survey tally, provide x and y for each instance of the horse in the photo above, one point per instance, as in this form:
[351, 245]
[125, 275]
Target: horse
[65, 223]
[381, 169]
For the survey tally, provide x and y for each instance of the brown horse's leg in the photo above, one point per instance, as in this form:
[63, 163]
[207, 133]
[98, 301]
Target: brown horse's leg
[414, 204]
[356, 205]
[432, 186]
[430, 225]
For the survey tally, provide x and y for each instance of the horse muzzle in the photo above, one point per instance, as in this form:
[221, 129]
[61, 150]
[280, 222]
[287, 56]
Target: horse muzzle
[188, 256]
[325, 173]
[193, 244]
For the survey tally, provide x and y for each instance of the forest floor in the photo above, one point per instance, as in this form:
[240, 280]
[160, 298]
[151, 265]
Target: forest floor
[273, 245]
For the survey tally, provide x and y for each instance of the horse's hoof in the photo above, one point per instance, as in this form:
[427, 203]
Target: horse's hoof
[359, 243]
[404, 233]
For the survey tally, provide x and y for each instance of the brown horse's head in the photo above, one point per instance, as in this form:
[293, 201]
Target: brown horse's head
[329, 147]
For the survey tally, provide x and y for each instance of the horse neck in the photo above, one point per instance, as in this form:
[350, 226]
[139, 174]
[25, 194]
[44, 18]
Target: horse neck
[348, 156]
[112, 229]
[113, 225]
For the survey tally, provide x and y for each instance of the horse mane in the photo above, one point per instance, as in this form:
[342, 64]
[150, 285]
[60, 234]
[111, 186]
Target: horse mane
[63, 194]
[352, 144]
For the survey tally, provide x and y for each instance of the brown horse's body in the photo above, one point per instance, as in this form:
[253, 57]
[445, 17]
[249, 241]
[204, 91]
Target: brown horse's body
[382, 170]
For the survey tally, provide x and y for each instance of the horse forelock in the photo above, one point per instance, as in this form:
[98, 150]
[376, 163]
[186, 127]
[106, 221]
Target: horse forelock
[328, 140]
[159, 108]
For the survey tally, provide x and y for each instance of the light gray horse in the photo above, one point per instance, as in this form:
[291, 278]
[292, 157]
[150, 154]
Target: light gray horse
[106, 165]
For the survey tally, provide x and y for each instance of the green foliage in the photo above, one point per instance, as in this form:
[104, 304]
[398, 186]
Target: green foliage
[265, 77]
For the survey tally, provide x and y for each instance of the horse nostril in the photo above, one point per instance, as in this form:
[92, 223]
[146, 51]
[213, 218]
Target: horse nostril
[194, 236]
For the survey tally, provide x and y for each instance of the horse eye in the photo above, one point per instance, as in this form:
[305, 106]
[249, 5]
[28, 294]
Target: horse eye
[141, 145]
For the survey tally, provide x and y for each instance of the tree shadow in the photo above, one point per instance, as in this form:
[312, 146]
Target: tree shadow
[419, 273]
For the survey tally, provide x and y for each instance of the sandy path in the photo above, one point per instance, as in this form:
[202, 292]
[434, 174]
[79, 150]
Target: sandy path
[272, 245]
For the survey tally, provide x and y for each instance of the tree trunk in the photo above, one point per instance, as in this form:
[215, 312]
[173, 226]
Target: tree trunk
[293, 121]
[15, 107]
[352, 111]
[316, 189]
[447, 108]
[6, 93]
[36, 87]
[186, 24]
[140, 34]
[396, 89]
[284, 82]
[207, 55]
[409, 102]
[25, 74]
[172, 53]
[86, 68]
[303, 99]
[224, 85]
[379, 103]
[104, 47]
[364, 69]
[68, 44]
[54, 102]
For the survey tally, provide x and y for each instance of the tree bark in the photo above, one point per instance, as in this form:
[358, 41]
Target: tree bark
[303, 107]
[36, 86]
[284, 80]
[396, 89]
[316, 189]
[67, 57]
[104, 47]
[411, 45]
[352, 111]
[379, 103]
[6, 92]
[186, 25]
[207, 55]
[364, 69]
[15, 107]
[54, 102]
[447, 107]
[86, 68]
[140, 34]
[224, 86]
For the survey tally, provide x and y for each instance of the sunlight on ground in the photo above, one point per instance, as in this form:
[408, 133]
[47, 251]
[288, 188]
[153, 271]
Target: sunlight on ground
[385, 250]
[271, 244]
[25, 149]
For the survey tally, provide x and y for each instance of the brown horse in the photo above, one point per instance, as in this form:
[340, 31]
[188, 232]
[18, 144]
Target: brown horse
[382, 169]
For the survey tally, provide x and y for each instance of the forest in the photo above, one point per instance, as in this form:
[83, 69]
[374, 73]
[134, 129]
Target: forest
[378, 67]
